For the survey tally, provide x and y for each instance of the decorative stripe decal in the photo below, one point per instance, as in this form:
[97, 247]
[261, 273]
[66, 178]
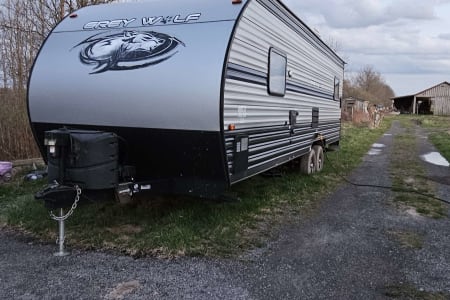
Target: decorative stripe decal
[303, 89]
[249, 75]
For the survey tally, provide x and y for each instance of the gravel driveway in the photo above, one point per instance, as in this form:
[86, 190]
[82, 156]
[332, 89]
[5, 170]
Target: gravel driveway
[349, 248]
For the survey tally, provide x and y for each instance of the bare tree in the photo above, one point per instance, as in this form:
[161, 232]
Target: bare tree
[368, 84]
[367, 79]
[24, 24]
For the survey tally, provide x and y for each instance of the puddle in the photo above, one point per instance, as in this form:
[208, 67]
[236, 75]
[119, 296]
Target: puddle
[374, 152]
[435, 158]
[376, 149]
[378, 145]
[387, 134]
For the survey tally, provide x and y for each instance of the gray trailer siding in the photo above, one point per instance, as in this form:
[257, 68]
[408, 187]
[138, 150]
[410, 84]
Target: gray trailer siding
[247, 103]
[180, 93]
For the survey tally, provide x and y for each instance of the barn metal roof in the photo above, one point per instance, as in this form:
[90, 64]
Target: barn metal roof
[422, 92]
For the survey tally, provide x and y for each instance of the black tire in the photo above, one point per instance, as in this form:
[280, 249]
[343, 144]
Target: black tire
[308, 163]
[320, 157]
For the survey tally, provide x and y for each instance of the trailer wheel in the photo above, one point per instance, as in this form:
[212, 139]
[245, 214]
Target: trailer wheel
[320, 157]
[308, 163]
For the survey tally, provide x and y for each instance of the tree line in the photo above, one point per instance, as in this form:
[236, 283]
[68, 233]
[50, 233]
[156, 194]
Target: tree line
[24, 25]
[369, 85]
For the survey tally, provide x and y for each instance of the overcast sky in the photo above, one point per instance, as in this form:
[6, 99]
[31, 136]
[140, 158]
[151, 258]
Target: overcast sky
[407, 41]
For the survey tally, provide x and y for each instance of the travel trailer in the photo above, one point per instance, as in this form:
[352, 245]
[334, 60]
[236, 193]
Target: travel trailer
[183, 97]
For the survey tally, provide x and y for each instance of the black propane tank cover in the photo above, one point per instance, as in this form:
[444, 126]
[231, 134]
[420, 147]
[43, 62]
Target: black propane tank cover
[90, 159]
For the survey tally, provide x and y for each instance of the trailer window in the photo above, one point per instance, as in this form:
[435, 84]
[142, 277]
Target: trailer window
[337, 84]
[277, 73]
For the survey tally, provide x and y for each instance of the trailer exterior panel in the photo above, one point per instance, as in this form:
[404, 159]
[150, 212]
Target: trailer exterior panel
[312, 71]
[200, 94]
[90, 67]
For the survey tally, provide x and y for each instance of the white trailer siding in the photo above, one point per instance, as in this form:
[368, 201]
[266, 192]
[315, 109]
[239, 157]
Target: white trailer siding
[247, 104]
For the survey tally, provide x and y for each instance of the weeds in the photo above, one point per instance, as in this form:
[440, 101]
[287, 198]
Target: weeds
[408, 239]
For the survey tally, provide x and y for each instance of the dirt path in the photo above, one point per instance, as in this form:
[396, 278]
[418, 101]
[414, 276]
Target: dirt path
[358, 245]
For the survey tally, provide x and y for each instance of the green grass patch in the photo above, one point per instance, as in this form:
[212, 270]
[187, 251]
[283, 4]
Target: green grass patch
[17, 190]
[407, 291]
[442, 143]
[435, 122]
[408, 173]
[439, 128]
[406, 121]
[408, 239]
[189, 226]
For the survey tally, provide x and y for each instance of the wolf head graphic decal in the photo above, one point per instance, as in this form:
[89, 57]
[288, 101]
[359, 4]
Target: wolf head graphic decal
[127, 50]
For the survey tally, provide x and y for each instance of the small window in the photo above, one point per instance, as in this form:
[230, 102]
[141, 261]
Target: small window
[277, 73]
[337, 84]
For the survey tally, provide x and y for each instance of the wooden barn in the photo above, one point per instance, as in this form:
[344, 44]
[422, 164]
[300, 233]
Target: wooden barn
[435, 100]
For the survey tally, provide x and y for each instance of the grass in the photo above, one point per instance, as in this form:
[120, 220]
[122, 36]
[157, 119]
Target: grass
[187, 226]
[408, 239]
[408, 173]
[407, 291]
[439, 128]
[17, 190]
[441, 142]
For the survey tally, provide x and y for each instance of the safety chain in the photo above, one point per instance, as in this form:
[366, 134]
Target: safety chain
[72, 209]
